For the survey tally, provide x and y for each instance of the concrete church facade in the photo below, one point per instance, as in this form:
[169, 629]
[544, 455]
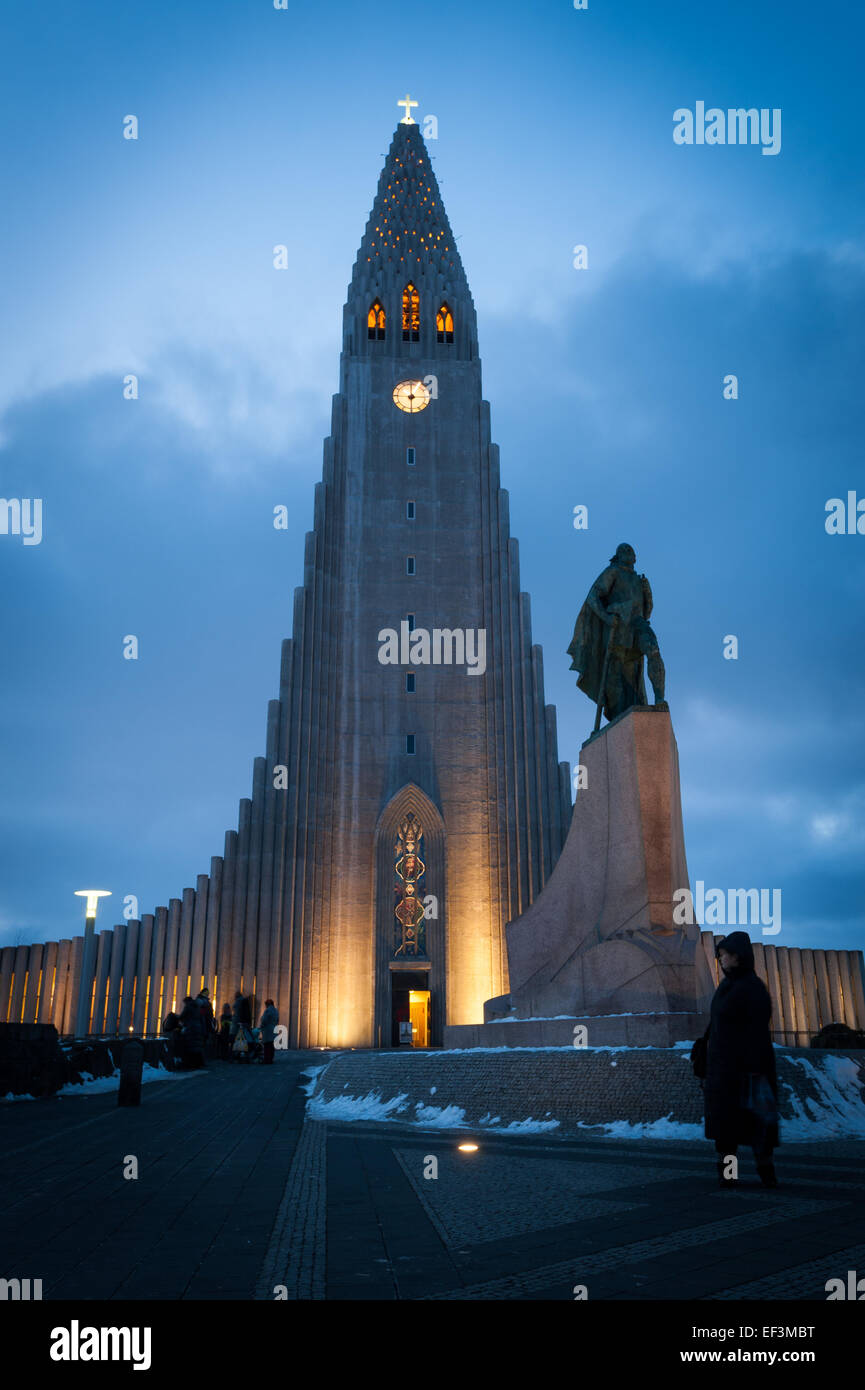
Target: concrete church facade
[410, 802]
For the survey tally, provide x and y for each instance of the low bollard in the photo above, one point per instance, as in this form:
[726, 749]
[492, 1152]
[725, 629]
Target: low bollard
[131, 1067]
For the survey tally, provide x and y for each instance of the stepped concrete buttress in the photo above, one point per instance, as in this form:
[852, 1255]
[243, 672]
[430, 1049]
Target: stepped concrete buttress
[600, 940]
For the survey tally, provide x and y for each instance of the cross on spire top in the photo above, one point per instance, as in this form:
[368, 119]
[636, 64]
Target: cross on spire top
[407, 102]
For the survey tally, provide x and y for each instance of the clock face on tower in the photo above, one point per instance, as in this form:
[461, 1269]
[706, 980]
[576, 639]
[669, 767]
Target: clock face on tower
[411, 396]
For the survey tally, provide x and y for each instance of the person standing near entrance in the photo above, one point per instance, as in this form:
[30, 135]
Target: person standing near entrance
[267, 1024]
[205, 1009]
[741, 1084]
[224, 1039]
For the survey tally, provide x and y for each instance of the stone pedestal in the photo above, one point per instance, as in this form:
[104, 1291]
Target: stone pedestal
[600, 939]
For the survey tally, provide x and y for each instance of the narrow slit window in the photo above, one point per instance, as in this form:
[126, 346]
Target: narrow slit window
[375, 321]
[445, 325]
[409, 457]
[409, 682]
[410, 314]
[409, 511]
[409, 743]
[409, 564]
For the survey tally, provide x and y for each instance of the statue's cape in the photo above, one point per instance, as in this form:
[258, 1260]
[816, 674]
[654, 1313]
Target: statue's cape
[587, 652]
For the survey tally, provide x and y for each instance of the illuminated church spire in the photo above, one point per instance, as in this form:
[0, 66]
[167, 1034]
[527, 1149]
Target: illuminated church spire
[408, 241]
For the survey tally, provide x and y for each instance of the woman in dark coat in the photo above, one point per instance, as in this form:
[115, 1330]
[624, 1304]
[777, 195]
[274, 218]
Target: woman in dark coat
[741, 1084]
[192, 1035]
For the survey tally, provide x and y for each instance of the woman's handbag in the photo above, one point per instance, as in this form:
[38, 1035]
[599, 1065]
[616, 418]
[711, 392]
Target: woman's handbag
[761, 1107]
[698, 1056]
[759, 1099]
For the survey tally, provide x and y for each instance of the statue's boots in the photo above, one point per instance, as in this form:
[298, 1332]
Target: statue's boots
[658, 678]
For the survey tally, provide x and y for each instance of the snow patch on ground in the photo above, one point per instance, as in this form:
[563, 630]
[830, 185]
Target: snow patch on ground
[368, 1107]
[839, 1111]
[439, 1117]
[652, 1129]
[529, 1126]
[94, 1085]
[311, 1074]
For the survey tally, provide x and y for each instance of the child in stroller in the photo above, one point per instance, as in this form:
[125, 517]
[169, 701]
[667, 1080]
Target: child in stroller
[248, 1046]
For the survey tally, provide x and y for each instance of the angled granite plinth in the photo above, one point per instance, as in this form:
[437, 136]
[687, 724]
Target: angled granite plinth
[600, 938]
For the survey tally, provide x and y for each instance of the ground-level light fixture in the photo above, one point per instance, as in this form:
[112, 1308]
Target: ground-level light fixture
[468, 1148]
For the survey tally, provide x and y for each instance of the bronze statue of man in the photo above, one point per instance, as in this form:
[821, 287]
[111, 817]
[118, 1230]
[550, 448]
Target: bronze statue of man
[611, 637]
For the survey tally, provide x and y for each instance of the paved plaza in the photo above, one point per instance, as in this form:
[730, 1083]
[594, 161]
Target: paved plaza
[238, 1198]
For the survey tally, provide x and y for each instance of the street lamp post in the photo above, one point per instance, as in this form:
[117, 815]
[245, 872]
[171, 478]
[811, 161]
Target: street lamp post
[88, 959]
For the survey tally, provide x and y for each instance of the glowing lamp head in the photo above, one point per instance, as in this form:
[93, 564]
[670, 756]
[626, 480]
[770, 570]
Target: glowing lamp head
[467, 1148]
[92, 895]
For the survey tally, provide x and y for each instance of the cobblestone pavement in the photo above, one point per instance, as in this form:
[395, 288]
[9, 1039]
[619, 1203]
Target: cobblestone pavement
[530, 1218]
[213, 1150]
[237, 1198]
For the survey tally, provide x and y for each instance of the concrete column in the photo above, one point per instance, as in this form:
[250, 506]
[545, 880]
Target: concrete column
[780, 1022]
[64, 947]
[846, 989]
[253, 886]
[31, 997]
[76, 957]
[282, 920]
[142, 972]
[199, 922]
[835, 987]
[228, 981]
[84, 982]
[115, 976]
[241, 874]
[809, 985]
[49, 969]
[104, 941]
[173, 993]
[824, 993]
[184, 947]
[7, 966]
[795, 956]
[130, 957]
[707, 945]
[211, 933]
[157, 972]
[857, 985]
[267, 984]
[782, 956]
[21, 955]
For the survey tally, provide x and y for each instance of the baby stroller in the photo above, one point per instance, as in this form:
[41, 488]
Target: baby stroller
[248, 1046]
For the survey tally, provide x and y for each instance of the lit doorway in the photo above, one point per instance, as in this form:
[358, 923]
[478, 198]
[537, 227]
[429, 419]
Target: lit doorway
[411, 1009]
[418, 1005]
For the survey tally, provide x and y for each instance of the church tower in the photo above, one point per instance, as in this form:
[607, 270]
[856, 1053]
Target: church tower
[409, 803]
[410, 559]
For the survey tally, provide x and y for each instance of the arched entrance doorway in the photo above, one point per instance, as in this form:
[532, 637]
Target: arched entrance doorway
[411, 940]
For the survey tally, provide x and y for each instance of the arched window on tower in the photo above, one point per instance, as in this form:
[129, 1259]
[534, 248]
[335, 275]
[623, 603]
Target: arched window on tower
[445, 325]
[375, 321]
[410, 314]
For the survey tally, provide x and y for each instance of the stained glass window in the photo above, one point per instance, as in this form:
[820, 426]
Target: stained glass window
[375, 321]
[409, 870]
[445, 325]
[410, 314]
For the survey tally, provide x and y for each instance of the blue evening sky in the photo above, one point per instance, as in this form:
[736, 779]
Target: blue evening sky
[260, 126]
